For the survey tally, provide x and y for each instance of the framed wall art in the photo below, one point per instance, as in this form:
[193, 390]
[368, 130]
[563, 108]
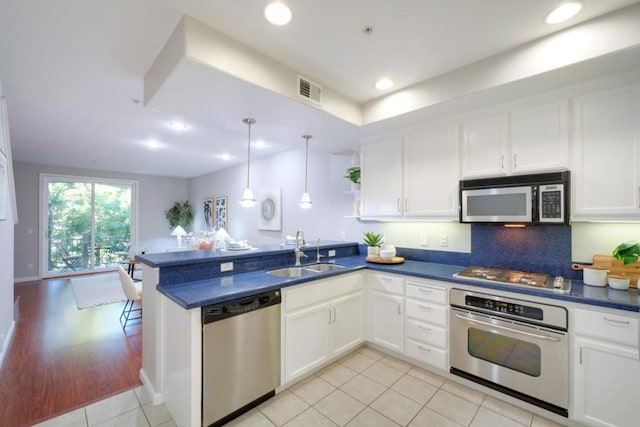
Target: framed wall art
[270, 210]
[220, 213]
[208, 213]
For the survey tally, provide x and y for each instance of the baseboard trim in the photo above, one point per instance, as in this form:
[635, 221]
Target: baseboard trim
[26, 279]
[156, 398]
[7, 342]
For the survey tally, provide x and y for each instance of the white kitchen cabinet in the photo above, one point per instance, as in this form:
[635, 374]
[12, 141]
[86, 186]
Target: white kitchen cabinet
[413, 176]
[427, 322]
[484, 147]
[386, 310]
[381, 179]
[606, 369]
[539, 137]
[432, 172]
[606, 155]
[322, 320]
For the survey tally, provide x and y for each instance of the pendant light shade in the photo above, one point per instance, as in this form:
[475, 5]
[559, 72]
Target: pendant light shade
[305, 202]
[248, 200]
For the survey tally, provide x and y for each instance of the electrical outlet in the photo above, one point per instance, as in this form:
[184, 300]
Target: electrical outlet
[332, 252]
[424, 239]
[226, 266]
[29, 266]
[443, 240]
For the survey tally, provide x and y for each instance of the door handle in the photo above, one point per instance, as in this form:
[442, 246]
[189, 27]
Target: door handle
[529, 334]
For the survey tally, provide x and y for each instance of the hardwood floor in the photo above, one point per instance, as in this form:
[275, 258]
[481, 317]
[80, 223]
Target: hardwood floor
[63, 358]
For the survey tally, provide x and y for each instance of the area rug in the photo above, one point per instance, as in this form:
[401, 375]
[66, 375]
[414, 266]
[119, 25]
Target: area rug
[99, 289]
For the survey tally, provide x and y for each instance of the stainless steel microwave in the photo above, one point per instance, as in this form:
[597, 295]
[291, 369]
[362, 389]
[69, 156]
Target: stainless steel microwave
[519, 199]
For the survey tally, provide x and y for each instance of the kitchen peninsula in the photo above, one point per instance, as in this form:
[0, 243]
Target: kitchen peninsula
[177, 284]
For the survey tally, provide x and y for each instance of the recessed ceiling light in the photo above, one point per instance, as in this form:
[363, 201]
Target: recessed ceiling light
[260, 144]
[177, 125]
[384, 84]
[563, 12]
[277, 13]
[152, 143]
[224, 156]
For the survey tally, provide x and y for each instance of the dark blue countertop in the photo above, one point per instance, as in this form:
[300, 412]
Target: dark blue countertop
[199, 293]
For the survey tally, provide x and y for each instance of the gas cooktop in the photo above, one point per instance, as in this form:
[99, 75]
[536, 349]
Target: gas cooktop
[517, 278]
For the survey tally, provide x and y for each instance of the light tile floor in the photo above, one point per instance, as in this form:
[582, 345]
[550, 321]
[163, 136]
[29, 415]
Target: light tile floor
[364, 389]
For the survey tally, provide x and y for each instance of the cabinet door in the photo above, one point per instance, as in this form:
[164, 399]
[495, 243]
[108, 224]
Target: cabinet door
[381, 187]
[607, 155]
[346, 329]
[539, 138]
[606, 383]
[484, 147]
[432, 172]
[306, 339]
[387, 324]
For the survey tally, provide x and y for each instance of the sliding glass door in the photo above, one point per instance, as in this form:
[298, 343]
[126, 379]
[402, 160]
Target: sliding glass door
[87, 224]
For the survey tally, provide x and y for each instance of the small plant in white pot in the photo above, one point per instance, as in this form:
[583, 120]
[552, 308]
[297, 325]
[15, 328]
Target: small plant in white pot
[353, 175]
[373, 242]
[628, 253]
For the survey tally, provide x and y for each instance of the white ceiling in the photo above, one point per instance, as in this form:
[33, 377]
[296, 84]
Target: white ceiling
[71, 70]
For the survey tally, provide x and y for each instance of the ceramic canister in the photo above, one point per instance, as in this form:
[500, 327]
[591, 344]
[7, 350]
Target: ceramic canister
[594, 276]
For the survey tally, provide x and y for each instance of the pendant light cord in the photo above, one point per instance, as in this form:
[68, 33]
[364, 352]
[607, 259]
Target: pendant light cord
[249, 122]
[306, 160]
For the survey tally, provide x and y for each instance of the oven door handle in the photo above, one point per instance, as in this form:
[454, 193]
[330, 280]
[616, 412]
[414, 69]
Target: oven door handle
[517, 331]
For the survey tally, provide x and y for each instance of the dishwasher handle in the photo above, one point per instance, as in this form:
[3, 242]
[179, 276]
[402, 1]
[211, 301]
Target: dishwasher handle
[220, 311]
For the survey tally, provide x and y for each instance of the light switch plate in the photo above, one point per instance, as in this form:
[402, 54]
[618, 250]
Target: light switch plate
[226, 266]
[332, 252]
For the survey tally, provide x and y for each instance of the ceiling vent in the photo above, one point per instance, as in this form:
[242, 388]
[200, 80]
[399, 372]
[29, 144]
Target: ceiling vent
[309, 90]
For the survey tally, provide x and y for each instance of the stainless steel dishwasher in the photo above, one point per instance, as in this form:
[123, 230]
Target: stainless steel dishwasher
[240, 355]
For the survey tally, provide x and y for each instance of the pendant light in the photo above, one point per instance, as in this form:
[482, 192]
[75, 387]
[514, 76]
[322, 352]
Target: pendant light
[248, 201]
[305, 202]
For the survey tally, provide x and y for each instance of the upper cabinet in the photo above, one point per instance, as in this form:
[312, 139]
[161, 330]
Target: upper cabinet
[412, 176]
[484, 147]
[526, 139]
[606, 155]
[539, 137]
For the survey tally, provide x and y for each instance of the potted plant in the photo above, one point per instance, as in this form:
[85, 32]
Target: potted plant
[181, 213]
[373, 242]
[627, 252]
[353, 175]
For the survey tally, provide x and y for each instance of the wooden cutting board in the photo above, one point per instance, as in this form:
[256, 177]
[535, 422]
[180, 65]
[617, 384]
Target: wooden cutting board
[380, 260]
[615, 267]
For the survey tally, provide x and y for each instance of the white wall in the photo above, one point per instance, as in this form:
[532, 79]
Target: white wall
[6, 277]
[155, 195]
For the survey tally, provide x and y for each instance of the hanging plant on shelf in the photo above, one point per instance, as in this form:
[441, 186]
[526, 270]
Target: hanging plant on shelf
[353, 175]
[181, 213]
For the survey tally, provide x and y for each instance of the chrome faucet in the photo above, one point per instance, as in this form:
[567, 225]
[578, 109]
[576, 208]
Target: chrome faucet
[318, 256]
[298, 252]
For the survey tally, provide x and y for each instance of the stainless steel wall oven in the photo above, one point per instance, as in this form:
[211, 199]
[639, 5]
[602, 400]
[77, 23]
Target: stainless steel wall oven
[517, 347]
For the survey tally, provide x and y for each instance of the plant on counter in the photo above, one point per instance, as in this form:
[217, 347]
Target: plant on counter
[373, 241]
[353, 174]
[181, 213]
[627, 252]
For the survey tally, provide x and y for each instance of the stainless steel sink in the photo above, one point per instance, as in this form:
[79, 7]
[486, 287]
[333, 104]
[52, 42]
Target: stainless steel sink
[305, 270]
[290, 272]
[321, 268]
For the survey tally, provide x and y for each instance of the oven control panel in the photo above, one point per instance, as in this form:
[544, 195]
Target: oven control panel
[504, 307]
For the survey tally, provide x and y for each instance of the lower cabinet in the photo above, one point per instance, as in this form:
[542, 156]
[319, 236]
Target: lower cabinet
[607, 369]
[322, 320]
[386, 310]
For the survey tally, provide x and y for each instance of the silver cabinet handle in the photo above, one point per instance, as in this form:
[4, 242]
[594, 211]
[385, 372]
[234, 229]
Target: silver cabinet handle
[329, 310]
[424, 348]
[398, 204]
[424, 328]
[515, 161]
[399, 312]
[334, 314]
[580, 355]
[621, 322]
[424, 290]
[529, 334]
[502, 162]
[425, 307]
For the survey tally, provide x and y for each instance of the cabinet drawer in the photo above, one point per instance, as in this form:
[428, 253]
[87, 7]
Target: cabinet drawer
[386, 283]
[427, 354]
[426, 333]
[428, 312]
[610, 327]
[315, 292]
[427, 293]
